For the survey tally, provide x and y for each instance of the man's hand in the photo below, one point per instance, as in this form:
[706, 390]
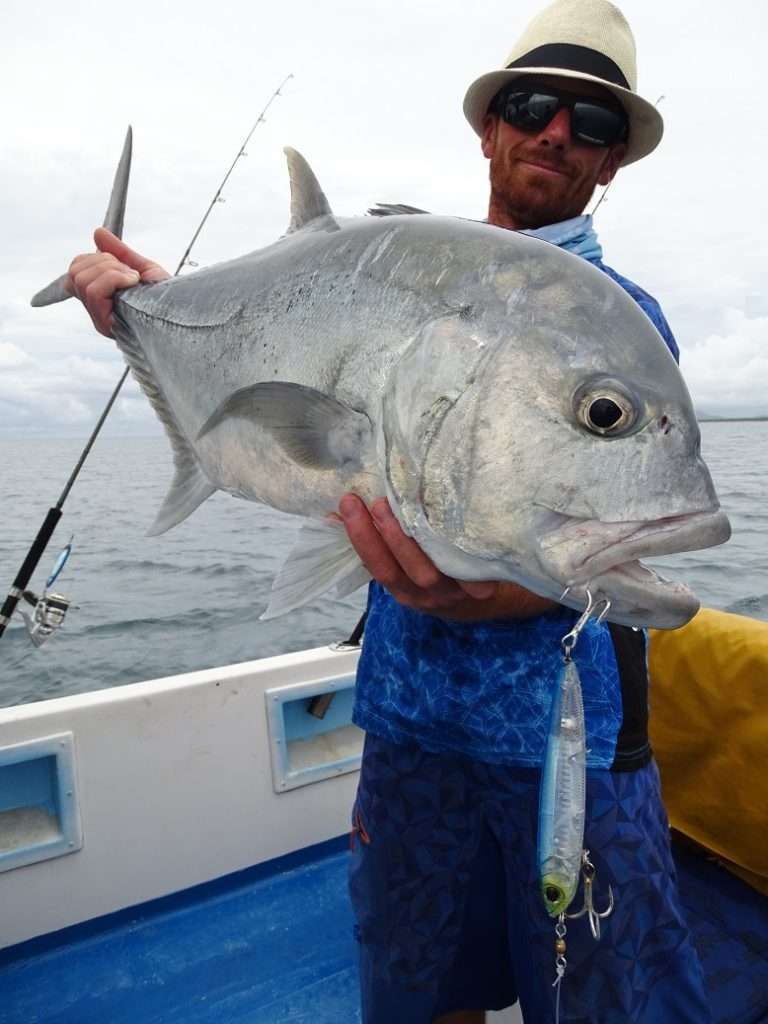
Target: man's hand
[401, 567]
[95, 277]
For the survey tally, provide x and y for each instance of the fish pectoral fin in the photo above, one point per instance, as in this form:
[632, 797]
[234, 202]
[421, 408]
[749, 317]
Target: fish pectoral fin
[322, 558]
[356, 578]
[314, 430]
[308, 202]
[189, 489]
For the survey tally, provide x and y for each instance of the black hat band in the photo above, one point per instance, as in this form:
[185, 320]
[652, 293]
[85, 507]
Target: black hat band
[570, 57]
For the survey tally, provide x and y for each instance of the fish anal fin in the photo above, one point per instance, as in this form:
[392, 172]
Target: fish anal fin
[314, 430]
[322, 558]
[189, 489]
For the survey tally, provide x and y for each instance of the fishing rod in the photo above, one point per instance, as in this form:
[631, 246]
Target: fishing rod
[50, 609]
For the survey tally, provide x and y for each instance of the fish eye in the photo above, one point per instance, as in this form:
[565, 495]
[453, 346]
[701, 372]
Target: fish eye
[607, 411]
[604, 413]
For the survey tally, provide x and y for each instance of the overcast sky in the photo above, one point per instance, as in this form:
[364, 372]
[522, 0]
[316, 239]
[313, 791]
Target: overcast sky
[375, 105]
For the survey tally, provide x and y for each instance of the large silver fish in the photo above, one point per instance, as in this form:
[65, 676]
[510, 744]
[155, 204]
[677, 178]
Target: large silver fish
[521, 413]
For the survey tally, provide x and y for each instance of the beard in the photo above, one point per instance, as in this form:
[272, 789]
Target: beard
[531, 200]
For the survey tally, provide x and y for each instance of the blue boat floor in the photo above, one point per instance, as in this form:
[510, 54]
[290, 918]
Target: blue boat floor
[272, 950]
[274, 945]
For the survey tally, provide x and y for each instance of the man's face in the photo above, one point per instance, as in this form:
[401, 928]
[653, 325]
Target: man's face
[549, 176]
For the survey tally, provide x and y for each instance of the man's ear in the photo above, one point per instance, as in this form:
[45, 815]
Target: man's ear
[488, 138]
[612, 163]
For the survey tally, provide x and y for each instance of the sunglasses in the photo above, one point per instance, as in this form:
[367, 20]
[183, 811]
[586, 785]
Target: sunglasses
[592, 121]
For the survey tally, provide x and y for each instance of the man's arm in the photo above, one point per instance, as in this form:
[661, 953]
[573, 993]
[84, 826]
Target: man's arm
[401, 567]
[94, 277]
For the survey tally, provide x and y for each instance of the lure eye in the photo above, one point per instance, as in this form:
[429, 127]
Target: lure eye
[555, 895]
[552, 894]
[606, 409]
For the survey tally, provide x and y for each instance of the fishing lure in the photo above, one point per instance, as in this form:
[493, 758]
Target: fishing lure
[61, 561]
[562, 803]
[562, 797]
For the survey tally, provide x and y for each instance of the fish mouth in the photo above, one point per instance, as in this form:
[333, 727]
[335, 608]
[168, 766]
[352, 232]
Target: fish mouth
[605, 558]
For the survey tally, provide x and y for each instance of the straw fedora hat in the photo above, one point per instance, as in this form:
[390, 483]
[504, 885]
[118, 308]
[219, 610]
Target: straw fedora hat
[588, 40]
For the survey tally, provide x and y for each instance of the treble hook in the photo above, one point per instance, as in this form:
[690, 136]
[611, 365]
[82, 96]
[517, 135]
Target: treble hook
[568, 642]
[594, 916]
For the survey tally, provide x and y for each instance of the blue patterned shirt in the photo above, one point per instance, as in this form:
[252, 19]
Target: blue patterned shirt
[484, 689]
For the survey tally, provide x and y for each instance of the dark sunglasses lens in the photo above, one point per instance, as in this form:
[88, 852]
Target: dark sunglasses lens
[590, 122]
[598, 125]
[529, 111]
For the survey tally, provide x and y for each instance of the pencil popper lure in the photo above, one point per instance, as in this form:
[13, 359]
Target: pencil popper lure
[562, 802]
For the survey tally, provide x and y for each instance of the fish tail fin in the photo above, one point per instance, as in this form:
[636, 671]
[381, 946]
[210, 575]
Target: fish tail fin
[57, 291]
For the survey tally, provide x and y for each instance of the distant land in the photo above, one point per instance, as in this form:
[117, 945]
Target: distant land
[706, 417]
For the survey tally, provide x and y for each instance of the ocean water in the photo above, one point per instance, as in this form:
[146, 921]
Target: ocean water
[145, 607]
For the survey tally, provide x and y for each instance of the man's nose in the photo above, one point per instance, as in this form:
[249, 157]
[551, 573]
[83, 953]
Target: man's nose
[558, 131]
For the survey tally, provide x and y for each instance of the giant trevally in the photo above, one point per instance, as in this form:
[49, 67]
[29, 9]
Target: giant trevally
[516, 406]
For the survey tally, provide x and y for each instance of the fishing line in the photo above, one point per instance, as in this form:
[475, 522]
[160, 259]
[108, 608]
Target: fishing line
[605, 192]
[54, 514]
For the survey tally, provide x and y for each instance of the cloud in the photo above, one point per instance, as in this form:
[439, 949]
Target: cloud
[69, 391]
[727, 373]
[12, 356]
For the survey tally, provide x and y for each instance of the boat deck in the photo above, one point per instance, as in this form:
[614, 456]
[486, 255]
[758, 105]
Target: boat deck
[270, 944]
[274, 944]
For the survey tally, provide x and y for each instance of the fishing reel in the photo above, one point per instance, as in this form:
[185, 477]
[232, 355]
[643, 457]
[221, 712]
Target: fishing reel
[49, 613]
[50, 609]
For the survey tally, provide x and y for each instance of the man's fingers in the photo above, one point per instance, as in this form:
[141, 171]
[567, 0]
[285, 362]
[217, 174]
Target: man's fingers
[87, 260]
[150, 271]
[84, 272]
[480, 590]
[399, 564]
[95, 277]
[366, 540]
[98, 296]
[372, 543]
[98, 302]
[94, 280]
[417, 566]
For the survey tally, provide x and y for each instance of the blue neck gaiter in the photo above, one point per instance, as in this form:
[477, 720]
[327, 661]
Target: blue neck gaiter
[577, 235]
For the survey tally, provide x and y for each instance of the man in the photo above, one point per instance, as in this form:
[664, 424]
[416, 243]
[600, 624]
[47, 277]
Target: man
[456, 679]
[443, 875]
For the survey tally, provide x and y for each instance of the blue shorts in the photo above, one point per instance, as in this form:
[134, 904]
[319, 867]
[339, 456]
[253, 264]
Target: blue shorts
[449, 916]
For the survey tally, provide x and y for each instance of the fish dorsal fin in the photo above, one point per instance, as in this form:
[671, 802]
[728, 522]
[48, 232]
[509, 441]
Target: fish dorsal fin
[308, 200]
[394, 210]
